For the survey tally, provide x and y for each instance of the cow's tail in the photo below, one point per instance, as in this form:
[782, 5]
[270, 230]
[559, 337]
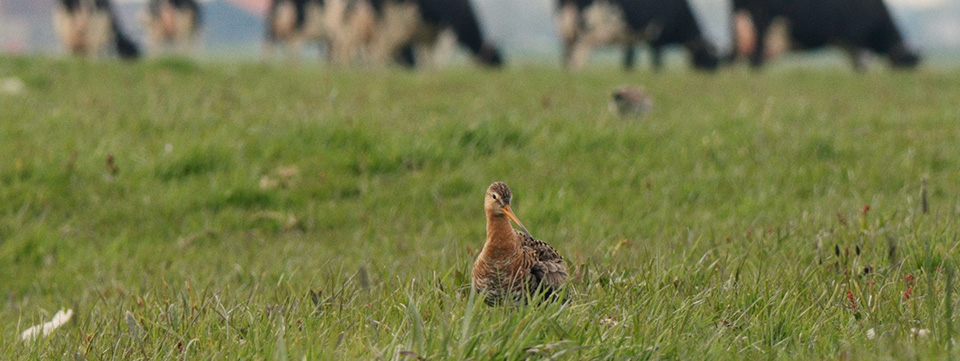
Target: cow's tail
[197, 14]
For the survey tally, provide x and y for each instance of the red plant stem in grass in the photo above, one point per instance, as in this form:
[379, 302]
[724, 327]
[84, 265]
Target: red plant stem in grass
[843, 221]
[906, 295]
[853, 302]
[866, 209]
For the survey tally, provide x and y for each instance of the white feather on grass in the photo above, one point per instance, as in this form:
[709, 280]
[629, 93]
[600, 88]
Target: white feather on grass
[132, 325]
[45, 329]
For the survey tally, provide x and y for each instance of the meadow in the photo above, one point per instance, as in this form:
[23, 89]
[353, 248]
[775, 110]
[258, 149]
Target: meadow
[198, 211]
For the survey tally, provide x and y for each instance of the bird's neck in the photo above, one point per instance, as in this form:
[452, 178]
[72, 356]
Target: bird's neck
[502, 241]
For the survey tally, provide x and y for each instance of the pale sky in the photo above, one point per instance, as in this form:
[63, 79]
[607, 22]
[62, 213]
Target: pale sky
[920, 3]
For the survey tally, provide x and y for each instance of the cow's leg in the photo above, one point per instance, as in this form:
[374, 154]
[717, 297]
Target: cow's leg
[431, 48]
[344, 51]
[407, 57]
[629, 57]
[63, 26]
[269, 47]
[656, 54]
[443, 48]
[567, 53]
[860, 58]
[761, 25]
[103, 33]
[178, 43]
[349, 42]
[325, 50]
[153, 42]
[271, 42]
[422, 55]
[293, 49]
[399, 23]
[744, 36]
[186, 32]
[363, 30]
[580, 54]
[567, 21]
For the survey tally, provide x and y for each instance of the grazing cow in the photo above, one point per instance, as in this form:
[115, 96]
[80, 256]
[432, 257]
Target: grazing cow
[858, 26]
[172, 24]
[585, 24]
[87, 27]
[292, 22]
[407, 29]
[343, 27]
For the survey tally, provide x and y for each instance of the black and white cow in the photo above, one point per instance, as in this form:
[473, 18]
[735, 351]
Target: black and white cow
[172, 24]
[343, 27]
[585, 24]
[91, 27]
[408, 29]
[293, 22]
[860, 27]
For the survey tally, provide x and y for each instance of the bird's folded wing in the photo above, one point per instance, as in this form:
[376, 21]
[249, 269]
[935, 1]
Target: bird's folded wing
[548, 268]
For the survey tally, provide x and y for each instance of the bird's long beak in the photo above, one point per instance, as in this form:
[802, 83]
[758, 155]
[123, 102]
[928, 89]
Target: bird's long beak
[506, 209]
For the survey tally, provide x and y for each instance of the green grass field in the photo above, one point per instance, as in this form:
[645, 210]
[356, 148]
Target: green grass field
[256, 212]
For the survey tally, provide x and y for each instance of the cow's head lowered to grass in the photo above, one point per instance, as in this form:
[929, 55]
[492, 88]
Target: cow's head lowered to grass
[901, 57]
[490, 55]
[703, 55]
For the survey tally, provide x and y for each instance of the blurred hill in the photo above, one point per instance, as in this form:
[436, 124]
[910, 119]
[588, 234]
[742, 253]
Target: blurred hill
[235, 27]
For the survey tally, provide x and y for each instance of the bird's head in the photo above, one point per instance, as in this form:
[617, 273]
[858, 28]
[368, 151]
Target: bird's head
[497, 203]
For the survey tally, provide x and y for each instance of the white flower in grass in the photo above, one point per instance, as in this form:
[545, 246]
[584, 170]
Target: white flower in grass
[47, 328]
[871, 334]
[920, 332]
[609, 321]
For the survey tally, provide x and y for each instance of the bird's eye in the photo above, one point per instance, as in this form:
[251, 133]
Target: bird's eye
[494, 196]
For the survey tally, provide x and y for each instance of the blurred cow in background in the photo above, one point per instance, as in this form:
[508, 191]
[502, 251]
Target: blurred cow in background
[765, 28]
[379, 31]
[417, 31]
[343, 27]
[292, 22]
[586, 24]
[350, 25]
[90, 28]
[172, 24]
